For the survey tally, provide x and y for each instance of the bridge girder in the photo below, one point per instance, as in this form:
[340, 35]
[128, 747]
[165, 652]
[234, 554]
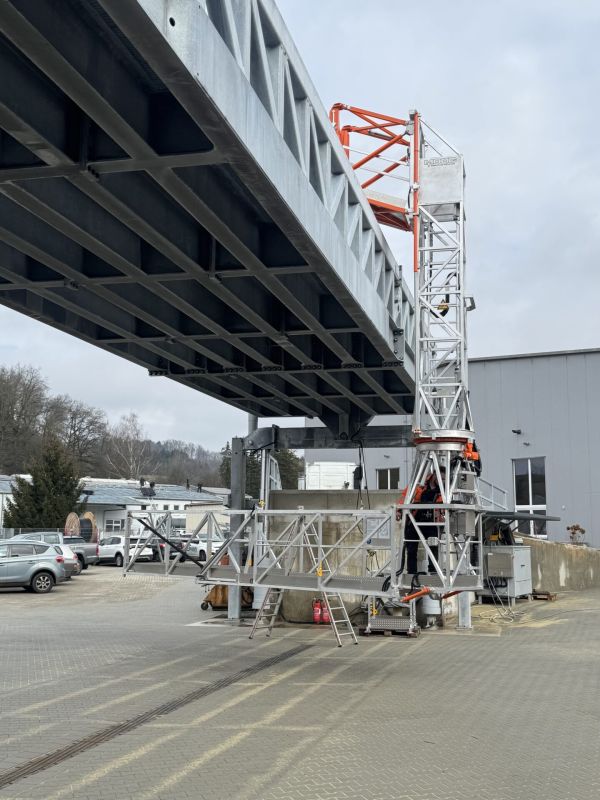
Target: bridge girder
[171, 191]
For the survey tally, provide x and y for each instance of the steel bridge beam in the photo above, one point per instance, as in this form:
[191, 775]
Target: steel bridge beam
[324, 439]
[189, 207]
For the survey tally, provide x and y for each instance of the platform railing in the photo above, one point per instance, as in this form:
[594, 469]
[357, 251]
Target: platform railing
[331, 550]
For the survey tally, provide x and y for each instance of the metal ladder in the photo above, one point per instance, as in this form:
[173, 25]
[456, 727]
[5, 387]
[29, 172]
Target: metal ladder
[268, 612]
[341, 625]
[342, 621]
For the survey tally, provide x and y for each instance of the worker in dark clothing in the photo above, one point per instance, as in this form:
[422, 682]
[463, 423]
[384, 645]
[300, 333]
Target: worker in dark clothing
[411, 547]
[431, 494]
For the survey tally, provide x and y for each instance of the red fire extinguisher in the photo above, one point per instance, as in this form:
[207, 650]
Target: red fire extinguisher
[325, 618]
[317, 610]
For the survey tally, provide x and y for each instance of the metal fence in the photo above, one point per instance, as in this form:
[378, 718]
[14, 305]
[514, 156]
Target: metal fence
[8, 533]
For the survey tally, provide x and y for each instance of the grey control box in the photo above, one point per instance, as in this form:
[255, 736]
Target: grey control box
[500, 565]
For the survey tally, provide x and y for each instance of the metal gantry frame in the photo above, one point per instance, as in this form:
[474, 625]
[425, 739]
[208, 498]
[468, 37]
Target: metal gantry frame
[155, 527]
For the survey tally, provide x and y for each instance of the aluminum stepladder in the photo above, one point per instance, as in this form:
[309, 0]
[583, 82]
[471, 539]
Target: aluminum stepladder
[338, 615]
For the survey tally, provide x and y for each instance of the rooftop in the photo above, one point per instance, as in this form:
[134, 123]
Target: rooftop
[121, 492]
[548, 354]
[107, 491]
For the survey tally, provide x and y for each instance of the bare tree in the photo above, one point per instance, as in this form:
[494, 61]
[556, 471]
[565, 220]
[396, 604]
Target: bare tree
[85, 430]
[23, 395]
[128, 451]
[80, 428]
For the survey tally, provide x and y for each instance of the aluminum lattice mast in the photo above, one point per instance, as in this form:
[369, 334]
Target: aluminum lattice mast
[421, 178]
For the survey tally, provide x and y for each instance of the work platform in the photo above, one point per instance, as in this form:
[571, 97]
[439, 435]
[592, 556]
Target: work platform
[356, 552]
[171, 190]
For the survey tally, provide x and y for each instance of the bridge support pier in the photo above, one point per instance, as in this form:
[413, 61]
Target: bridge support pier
[238, 500]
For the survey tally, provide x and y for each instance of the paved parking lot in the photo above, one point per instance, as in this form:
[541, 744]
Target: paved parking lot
[117, 688]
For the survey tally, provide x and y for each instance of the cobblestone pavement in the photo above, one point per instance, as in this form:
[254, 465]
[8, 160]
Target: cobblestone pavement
[509, 712]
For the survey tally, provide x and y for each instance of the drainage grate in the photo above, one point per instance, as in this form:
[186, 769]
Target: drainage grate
[58, 756]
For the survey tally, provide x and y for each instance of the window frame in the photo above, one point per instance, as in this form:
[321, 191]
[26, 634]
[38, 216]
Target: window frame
[530, 507]
[379, 472]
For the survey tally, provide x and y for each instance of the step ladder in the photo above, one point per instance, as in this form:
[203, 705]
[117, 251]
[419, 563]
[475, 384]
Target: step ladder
[342, 626]
[268, 612]
[338, 616]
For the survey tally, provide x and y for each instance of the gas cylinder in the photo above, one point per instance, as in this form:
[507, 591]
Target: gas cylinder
[317, 608]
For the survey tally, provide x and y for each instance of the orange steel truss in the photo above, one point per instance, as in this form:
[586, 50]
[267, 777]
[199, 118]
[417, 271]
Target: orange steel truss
[383, 162]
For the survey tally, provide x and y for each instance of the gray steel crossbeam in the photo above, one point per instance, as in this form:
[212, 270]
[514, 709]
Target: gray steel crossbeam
[76, 327]
[21, 196]
[112, 165]
[133, 311]
[316, 438]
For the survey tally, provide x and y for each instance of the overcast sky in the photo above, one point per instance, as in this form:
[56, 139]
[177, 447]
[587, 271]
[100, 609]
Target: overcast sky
[515, 86]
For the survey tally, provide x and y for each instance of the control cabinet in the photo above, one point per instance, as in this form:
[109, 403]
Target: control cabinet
[506, 572]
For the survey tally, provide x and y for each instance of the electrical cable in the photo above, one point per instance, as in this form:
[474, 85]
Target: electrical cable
[505, 615]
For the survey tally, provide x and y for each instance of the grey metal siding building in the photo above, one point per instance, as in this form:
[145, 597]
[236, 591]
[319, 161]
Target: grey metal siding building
[535, 418]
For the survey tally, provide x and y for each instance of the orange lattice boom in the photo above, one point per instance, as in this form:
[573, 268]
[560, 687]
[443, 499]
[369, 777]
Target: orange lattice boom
[382, 163]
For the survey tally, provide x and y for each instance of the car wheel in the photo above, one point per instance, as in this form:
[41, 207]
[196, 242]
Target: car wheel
[119, 560]
[42, 583]
[204, 606]
[201, 556]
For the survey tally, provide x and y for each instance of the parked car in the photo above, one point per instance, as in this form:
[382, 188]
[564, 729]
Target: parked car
[111, 549]
[86, 552]
[198, 547]
[158, 547]
[37, 566]
[72, 562]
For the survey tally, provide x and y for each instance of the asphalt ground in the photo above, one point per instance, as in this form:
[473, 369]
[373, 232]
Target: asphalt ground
[120, 688]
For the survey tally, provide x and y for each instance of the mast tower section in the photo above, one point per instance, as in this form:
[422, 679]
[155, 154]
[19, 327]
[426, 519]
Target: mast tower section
[414, 180]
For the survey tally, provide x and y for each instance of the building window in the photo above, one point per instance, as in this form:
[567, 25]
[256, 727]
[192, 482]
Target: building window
[175, 508]
[530, 492]
[388, 478]
[114, 525]
[165, 508]
[143, 508]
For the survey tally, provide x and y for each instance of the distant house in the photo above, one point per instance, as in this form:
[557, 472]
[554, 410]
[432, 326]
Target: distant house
[110, 500]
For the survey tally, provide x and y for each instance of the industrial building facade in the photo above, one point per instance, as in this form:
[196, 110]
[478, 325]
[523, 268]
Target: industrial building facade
[535, 422]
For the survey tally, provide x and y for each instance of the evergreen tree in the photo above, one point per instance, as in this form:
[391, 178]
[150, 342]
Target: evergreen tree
[291, 467]
[252, 470]
[225, 466]
[53, 493]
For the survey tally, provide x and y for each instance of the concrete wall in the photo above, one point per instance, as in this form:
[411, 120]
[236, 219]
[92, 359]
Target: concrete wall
[558, 567]
[297, 605]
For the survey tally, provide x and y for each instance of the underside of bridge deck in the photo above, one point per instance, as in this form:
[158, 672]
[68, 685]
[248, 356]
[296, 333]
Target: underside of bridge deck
[166, 195]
